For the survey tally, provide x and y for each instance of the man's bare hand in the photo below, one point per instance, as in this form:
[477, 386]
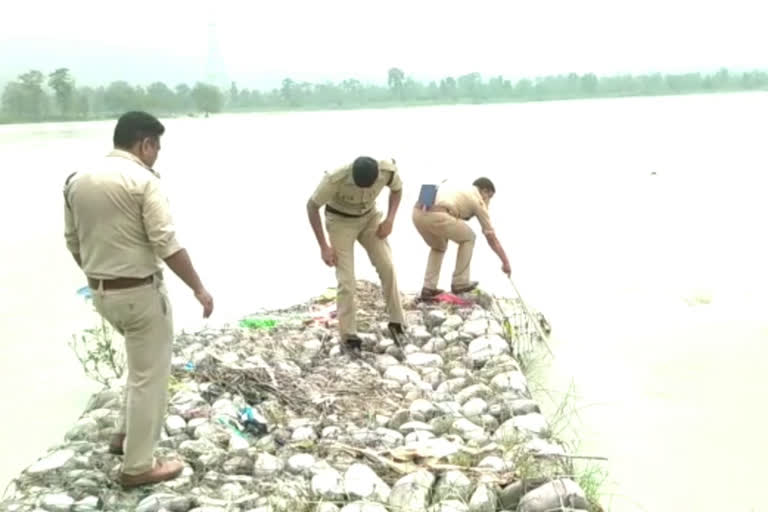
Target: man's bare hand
[506, 269]
[205, 299]
[329, 255]
[384, 229]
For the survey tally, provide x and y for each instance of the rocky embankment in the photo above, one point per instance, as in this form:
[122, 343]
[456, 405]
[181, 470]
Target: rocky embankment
[275, 417]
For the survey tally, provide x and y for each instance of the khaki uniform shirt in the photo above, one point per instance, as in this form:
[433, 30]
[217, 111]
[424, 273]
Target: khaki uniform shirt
[465, 203]
[118, 219]
[338, 189]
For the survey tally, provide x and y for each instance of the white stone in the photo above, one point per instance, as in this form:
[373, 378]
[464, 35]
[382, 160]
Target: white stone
[485, 347]
[231, 490]
[57, 502]
[436, 318]
[53, 461]
[411, 349]
[474, 407]
[225, 339]
[459, 372]
[493, 462]
[452, 385]
[434, 377]
[301, 463]
[364, 506]
[520, 426]
[390, 438]
[163, 501]
[331, 432]
[510, 381]
[328, 485]
[451, 337]
[424, 359]
[468, 430]
[534, 423]
[418, 436]
[423, 410]
[87, 504]
[453, 485]
[402, 374]
[542, 447]
[237, 442]
[483, 500]
[474, 391]
[194, 423]
[452, 323]
[312, 346]
[475, 328]
[175, 424]
[449, 506]
[554, 495]
[361, 482]
[267, 465]
[304, 434]
[411, 492]
[321, 507]
[420, 335]
[415, 425]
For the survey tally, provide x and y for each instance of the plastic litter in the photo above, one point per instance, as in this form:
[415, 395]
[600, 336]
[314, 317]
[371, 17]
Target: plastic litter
[258, 323]
[85, 292]
[253, 422]
[449, 298]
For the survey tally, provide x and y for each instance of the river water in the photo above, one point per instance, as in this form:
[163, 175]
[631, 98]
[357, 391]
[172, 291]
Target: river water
[654, 283]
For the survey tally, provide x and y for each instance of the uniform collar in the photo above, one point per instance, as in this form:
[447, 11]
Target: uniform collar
[121, 153]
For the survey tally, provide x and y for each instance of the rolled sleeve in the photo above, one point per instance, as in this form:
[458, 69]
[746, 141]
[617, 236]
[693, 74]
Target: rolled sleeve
[484, 218]
[158, 223]
[324, 192]
[70, 231]
[395, 184]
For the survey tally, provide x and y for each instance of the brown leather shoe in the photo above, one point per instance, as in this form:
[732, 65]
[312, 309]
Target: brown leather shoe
[116, 444]
[163, 470]
[429, 293]
[464, 288]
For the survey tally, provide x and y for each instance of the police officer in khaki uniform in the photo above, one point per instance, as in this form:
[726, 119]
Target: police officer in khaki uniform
[119, 231]
[349, 194]
[447, 220]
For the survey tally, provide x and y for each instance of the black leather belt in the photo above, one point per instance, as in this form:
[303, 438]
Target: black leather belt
[121, 283]
[331, 209]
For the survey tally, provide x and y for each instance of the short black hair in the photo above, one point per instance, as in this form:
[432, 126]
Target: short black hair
[365, 170]
[484, 184]
[134, 126]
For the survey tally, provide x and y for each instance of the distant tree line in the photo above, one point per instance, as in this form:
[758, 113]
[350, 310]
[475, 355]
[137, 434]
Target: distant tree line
[34, 96]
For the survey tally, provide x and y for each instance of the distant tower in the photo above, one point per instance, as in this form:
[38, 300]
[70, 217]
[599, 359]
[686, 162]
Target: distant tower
[215, 72]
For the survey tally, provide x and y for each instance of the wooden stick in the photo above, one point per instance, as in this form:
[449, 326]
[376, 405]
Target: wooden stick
[568, 456]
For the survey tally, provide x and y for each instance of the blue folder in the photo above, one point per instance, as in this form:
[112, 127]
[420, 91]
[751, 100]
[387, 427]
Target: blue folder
[427, 196]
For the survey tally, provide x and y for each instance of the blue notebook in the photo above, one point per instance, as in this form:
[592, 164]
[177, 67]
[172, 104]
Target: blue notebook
[427, 196]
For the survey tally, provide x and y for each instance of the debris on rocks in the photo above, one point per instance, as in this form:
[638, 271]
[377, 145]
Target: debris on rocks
[271, 415]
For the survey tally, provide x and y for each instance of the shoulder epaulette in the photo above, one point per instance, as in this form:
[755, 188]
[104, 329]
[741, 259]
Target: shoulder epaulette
[69, 178]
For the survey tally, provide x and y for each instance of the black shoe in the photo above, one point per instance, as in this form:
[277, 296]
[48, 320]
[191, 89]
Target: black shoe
[397, 332]
[352, 345]
[428, 294]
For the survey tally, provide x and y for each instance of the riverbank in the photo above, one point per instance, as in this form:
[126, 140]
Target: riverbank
[271, 415]
[382, 105]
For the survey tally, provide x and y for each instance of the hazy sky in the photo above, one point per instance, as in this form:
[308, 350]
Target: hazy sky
[263, 41]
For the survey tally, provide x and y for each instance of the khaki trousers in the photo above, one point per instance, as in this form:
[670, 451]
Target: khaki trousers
[436, 228]
[143, 316]
[343, 231]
